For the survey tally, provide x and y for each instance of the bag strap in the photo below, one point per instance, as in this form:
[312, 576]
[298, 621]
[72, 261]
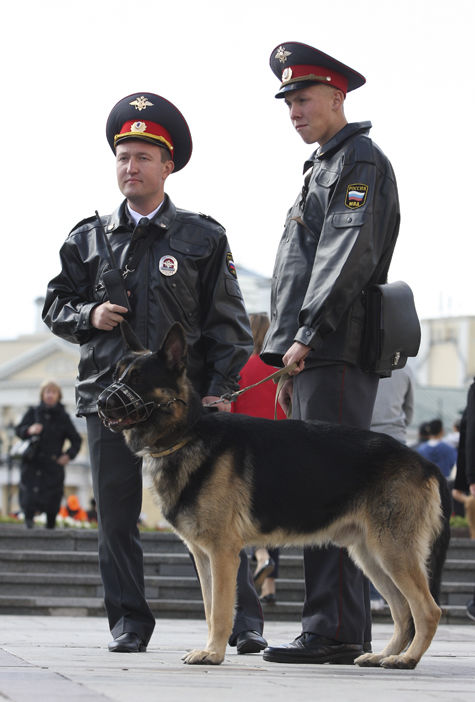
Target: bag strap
[385, 261]
[137, 252]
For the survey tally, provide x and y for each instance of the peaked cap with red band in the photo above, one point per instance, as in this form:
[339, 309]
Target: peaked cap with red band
[298, 65]
[150, 118]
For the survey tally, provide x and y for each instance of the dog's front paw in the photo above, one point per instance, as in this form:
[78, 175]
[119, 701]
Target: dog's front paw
[402, 661]
[202, 657]
[369, 660]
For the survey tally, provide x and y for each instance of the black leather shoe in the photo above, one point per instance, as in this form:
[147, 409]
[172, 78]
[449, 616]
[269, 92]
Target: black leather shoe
[127, 643]
[250, 642]
[312, 648]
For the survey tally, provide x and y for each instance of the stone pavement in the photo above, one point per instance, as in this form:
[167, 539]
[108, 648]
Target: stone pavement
[65, 659]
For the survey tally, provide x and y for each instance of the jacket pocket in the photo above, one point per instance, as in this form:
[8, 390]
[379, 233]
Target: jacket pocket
[342, 220]
[190, 248]
[326, 178]
[87, 362]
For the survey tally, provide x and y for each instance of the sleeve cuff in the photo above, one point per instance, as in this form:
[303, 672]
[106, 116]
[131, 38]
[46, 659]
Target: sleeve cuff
[307, 336]
[84, 323]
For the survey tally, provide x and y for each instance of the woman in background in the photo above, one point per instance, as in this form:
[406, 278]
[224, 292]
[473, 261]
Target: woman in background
[42, 478]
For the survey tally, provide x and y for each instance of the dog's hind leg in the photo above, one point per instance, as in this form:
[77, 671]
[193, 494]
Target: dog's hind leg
[224, 565]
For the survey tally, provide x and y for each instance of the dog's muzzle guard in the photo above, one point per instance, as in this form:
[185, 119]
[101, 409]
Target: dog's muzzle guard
[119, 406]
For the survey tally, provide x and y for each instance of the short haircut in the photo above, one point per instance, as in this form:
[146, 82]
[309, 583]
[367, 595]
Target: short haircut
[436, 427]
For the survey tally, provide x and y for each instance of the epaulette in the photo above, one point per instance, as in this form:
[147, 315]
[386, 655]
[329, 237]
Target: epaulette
[211, 219]
[84, 221]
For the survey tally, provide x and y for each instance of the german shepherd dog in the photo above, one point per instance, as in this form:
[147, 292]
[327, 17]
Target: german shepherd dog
[225, 480]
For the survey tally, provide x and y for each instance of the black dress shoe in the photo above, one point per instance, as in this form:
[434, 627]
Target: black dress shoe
[127, 643]
[312, 648]
[263, 572]
[250, 642]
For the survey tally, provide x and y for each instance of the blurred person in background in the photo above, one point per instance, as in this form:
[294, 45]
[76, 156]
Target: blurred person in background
[42, 478]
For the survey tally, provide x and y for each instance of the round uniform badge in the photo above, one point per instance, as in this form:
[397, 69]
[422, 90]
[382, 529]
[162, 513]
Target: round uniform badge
[168, 265]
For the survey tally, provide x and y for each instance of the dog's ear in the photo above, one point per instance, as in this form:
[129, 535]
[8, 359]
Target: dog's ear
[130, 338]
[174, 347]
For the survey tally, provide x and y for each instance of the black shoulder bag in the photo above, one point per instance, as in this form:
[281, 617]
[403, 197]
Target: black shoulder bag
[392, 331]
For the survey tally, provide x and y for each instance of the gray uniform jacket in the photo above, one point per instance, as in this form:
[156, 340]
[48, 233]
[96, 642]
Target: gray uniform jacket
[186, 275]
[335, 243]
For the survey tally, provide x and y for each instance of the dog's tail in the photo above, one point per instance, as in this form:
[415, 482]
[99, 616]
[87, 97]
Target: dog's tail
[441, 543]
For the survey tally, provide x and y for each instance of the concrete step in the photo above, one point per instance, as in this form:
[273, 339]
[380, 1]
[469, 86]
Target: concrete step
[179, 609]
[57, 573]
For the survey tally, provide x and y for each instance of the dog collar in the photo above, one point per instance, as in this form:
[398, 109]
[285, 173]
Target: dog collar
[171, 449]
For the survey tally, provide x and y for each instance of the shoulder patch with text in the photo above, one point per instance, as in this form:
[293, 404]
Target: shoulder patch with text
[356, 195]
[230, 264]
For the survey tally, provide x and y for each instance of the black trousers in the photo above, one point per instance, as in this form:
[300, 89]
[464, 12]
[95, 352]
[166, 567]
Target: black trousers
[117, 485]
[337, 603]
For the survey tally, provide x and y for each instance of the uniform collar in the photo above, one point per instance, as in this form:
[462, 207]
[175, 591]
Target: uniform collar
[335, 142]
[121, 219]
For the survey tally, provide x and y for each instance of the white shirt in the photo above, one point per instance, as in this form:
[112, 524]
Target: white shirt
[137, 217]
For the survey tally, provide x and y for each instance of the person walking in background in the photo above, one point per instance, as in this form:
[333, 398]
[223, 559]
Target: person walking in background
[392, 413]
[394, 405]
[42, 478]
[464, 484]
[260, 402]
[436, 450]
[154, 264]
[463, 490]
[338, 239]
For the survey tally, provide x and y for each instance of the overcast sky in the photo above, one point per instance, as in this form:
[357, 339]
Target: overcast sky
[65, 64]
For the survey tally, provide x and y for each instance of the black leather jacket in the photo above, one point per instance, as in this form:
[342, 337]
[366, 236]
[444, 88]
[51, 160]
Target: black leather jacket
[337, 240]
[203, 295]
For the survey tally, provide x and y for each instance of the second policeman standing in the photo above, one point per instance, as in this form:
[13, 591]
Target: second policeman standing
[337, 240]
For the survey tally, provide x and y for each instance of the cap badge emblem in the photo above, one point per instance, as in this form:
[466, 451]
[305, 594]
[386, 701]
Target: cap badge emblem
[141, 103]
[138, 127]
[286, 75]
[282, 54]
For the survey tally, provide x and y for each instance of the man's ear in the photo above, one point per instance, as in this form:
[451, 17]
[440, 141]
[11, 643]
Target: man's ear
[169, 168]
[338, 99]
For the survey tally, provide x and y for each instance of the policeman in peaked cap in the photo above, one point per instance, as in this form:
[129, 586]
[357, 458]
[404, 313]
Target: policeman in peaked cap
[338, 239]
[153, 119]
[154, 264]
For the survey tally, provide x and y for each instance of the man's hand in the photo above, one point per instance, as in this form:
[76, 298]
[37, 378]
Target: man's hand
[64, 459]
[34, 429]
[285, 395]
[296, 354]
[471, 487]
[221, 406]
[107, 316]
